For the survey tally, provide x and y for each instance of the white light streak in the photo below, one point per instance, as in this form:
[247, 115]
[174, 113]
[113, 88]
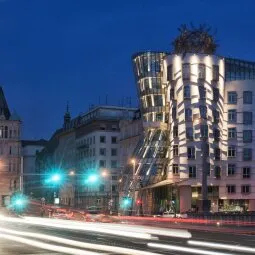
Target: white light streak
[84, 245]
[185, 249]
[223, 246]
[46, 246]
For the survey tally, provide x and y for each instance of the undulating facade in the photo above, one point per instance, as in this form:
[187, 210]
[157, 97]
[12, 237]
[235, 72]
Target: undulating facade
[198, 117]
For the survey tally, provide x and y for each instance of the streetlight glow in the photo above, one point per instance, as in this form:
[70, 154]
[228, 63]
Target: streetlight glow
[92, 178]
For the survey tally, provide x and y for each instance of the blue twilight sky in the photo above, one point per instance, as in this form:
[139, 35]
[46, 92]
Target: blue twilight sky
[52, 51]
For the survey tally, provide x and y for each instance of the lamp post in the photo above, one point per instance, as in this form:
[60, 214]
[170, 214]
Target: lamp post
[133, 161]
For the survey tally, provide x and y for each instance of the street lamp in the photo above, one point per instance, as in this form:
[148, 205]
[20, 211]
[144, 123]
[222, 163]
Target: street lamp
[106, 173]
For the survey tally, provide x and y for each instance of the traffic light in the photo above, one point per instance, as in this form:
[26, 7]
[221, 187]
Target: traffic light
[138, 201]
[126, 202]
[19, 202]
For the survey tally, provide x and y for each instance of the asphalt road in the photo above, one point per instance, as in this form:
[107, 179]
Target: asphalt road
[48, 236]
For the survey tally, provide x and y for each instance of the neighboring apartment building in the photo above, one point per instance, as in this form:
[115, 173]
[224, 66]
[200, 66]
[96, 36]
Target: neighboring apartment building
[198, 113]
[30, 178]
[10, 156]
[87, 151]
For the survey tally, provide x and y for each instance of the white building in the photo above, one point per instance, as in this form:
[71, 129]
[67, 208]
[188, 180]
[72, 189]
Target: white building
[201, 108]
[31, 179]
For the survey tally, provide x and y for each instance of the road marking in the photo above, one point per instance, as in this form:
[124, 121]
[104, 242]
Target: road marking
[185, 249]
[223, 246]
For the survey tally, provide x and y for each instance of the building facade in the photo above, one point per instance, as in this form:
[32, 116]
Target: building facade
[10, 152]
[198, 116]
[29, 149]
[87, 151]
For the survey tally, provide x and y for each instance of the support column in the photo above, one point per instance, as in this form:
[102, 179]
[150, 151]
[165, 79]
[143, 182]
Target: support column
[251, 205]
[185, 198]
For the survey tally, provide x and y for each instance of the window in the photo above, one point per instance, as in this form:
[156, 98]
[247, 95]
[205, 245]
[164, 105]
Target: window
[216, 134]
[216, 116]
[215, 73]
[247, 136]
[158, 100]
[232, 97]
[101, 188]
[175, 131]
[6, 132]
[94, 139]
[247, 97]
[231, 151]
[149, 101]
[189, 133]
[217, 172]
[191, 152]
[174, 113]
[245, 189]
[201, 71]
[159, 116]
[185, 71]
[114, 177]
[202, 92]
[188, 114]
[231, 133]
[216, 95]
[204, 131]
[203, 111]
[217, 153]
[246, 172]
[247, 154]
[170, 73]
[114, 164]
[102, 163]
[114, 152]
[231, 169]
[102, 152]
[231, 189]
[186, 91]
[175, 150]
[192, 171]
[94, 152]
[175, 169]
[172, 93]
[10, 150]
[232, 116]
[114, 188]
[102, 139]
[247, 118]
[114, 139]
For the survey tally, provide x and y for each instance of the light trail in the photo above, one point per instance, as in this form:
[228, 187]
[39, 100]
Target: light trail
[222, 246]
[84, 245]
[81, 227]
[185, 249]
[46, 246]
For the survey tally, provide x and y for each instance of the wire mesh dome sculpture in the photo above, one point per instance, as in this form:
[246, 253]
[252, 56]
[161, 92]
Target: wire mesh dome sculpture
[195, 40]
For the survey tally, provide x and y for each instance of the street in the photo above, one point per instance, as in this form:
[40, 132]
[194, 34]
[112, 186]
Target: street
[31, 235]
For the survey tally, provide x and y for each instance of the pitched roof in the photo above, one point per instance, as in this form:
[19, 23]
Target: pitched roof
[4, 109]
